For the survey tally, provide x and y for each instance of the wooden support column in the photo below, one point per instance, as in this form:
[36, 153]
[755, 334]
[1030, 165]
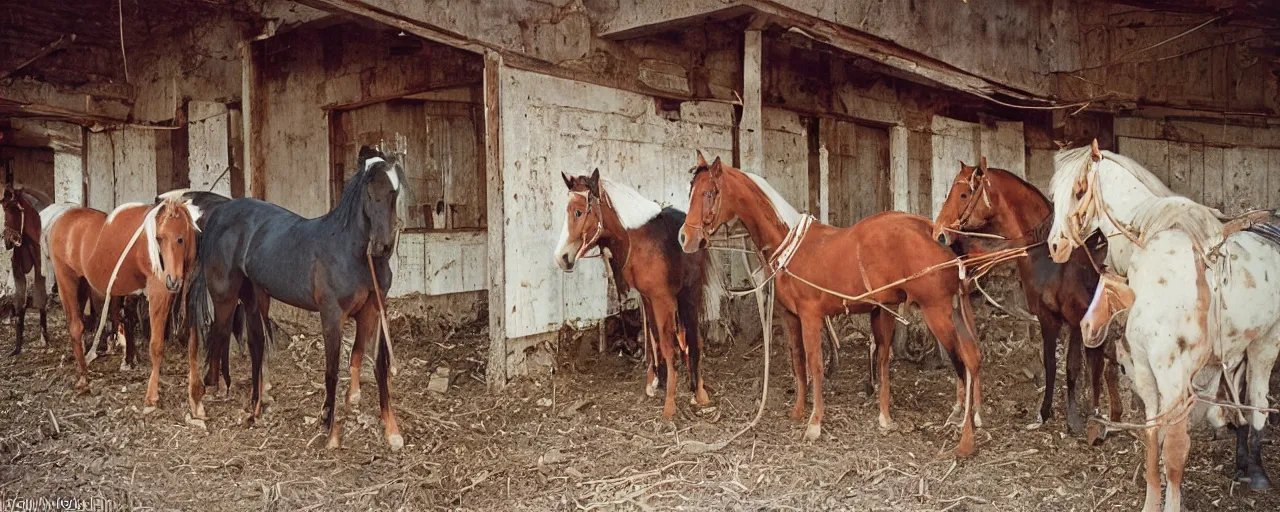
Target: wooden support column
[899, 180]
[496, 369]
[751, 127]
[255, 181]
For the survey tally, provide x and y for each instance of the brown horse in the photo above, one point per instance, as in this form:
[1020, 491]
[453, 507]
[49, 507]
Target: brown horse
[640, 237]
[996, 202]
[85, 245]
[892, 250]
[22, 236]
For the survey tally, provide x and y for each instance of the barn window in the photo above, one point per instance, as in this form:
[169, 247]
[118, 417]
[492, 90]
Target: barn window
[444, 162]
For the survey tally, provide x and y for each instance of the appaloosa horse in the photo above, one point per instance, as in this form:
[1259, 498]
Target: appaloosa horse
[253, 251]
[1204, 309]
[86, 246]
[22, 236]
[889, 253]
[996, 202]
[640, 239]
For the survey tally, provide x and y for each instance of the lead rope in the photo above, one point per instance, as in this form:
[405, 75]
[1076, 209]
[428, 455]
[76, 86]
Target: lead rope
[106, 308]
[382, 314]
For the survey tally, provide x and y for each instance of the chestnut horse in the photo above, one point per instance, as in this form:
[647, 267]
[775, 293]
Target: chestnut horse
[997, 202]
[252, 252]
[885, 250]
[640, 237]
[85, 246]
[22, 236]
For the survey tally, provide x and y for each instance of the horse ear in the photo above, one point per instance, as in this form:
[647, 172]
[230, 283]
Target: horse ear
[982, 165]
[593, 182]
[1095, 152]
[717, 168]
[702, 162]
[568, 182]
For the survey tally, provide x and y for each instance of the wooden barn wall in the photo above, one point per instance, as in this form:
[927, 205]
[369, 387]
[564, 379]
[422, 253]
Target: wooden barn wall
[32, 167]
[581, 127]
[308, 72]
[1143, 54]
[1233, 168]
[954, 141]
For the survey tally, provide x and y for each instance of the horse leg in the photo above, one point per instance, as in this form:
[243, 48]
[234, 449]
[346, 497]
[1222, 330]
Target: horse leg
[1174, 452]
[689, 327]
[41, 301]
[69, 292]
[19, 306]
[158, 305]
[811, 326]
[131, 320]
[1260, 359]
[941, 320]
[1075, 352]
[1243, 452]
[649, 332]
[1050, 327]
[368, 323]
[195, 386]
[331, 319]
[367, 326]
[665, 316]
[256, 300]
[1094, 357]
[882, 327]
[1144, 385]
[797, 358]
[1112, 376]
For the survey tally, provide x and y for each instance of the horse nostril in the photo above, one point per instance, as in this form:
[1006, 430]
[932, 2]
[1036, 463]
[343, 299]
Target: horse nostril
[942, 239]
[682, 238]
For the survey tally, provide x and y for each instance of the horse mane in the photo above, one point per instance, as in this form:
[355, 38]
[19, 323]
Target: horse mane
[634, 210]
[1166, 210]
[786, 213]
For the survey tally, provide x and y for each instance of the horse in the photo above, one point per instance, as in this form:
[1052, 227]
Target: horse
[22, 237]
[997, 202]
[1203, 311]
[86, 246]
[886, 250]
[640, 237]
[253, 251]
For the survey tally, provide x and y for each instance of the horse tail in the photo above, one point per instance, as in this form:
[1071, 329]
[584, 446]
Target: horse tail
[48, 216]
[199, 306]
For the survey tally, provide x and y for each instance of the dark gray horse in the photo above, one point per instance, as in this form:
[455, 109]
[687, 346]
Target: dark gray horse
[253, 251]
[22, 236]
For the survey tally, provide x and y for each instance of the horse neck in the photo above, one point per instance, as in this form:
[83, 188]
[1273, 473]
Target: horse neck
[347, 219]
[1020, 210]
[614, 236]
[756, 212]
[1122, 196]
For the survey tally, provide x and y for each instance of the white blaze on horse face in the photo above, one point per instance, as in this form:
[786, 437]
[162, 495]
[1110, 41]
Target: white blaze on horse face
[567, 250]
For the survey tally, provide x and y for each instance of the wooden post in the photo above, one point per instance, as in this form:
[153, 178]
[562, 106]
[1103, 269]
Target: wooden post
[255, 179]
[496, 371]
[751, 127]
[899, 182]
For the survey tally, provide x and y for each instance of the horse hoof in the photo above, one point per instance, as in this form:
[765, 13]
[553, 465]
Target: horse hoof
[16, 351]
[977, 419]
[1259, 481]
[396, 441]
[886, 424]
[956, 418]
[1075, 424]
[651, 389]
[89, 356]
[812, 432]
[334, 443]
[353, 399]
[82, 385]
[125, 367]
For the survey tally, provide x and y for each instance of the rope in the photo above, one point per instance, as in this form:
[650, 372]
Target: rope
[106, 308]
[382, 315]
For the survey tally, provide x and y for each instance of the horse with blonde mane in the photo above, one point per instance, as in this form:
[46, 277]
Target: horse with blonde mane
[1203, 308]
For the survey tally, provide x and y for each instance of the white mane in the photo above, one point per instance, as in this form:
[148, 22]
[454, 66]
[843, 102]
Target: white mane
[112, 216]
[785, 211]
[634, 210]
[1164, 210]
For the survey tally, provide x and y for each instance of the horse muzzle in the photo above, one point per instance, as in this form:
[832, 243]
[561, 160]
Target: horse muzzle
[171, 284]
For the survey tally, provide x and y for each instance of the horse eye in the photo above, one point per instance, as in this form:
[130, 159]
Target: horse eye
[577, 213]
[707, 194]
[1079, 195]
[179, 240]
[964, 195]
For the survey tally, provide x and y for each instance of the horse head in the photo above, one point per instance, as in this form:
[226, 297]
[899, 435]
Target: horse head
[382, 181]
[584, 221]
[968, 206]
[1075, 205]
[1112, 296]
[14, 215]
[707, 212]
[171, 240]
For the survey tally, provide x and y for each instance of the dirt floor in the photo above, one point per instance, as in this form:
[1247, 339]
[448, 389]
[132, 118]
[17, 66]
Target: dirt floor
[586, 438]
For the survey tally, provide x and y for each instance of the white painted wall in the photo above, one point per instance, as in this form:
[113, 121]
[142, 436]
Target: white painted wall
[955, 141]
[439, 263]
[68, 177]
[552, 125]
[135, 165]
[208, 150]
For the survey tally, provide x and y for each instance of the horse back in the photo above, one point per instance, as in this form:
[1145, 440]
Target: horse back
[115, 233]
[72, 237]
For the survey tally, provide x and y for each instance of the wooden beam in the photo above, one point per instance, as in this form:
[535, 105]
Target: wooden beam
[60, 43]
[251, 101]
[751, 126]
[496, 369]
